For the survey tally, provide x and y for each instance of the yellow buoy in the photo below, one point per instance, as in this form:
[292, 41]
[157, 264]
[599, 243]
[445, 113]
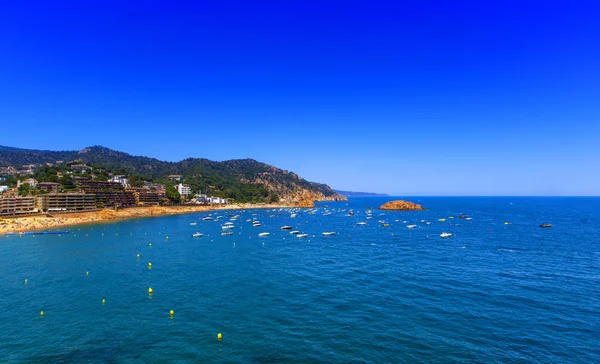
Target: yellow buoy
[150, 290]
[506, 223]
[41, 313]
[26, 280]
[138, 255]
[171, 312]
[103, 301]
[149, 265]
[87, 273]
[219, 336]
[150, 244]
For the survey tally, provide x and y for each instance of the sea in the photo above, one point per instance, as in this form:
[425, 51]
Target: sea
[501, 289]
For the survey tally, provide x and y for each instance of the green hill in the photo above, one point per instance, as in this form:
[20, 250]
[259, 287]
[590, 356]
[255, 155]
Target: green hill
[244, 180]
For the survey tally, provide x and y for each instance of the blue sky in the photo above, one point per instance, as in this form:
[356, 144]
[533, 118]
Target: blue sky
[414, 97]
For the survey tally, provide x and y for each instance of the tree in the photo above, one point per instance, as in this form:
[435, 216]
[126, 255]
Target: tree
[67, 183]
[273, 198]
[172, 194]
[24, 189]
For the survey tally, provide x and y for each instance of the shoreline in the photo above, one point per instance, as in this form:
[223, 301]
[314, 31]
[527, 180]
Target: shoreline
[34, 223]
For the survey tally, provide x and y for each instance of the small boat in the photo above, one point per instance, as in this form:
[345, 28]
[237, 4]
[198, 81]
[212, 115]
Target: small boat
[264, 234]
[445, 235]
[293, 215]
[329, 233]
[226, 227]
[294, 232]
[385, 224]
[228, 223]
[441, 220]
[545, 225]
[286, 227]
[507, 223]
[196, 235]
[207, 218]
[193, 223]
[302, 235]
[463, 216]
[225, 233]
[256, 224]
[361, 223]
[451, 217]
[411, 226]
[469, 218]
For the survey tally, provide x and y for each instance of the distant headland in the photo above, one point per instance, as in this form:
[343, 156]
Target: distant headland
[359, 194]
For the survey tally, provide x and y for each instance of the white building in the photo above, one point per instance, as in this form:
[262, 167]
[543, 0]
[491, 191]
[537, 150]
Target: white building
[32, 182]
[184, 190]
[217, 200]
[3, 188]
[120, 179]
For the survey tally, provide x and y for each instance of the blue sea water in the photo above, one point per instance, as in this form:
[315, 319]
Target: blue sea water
[491, 293]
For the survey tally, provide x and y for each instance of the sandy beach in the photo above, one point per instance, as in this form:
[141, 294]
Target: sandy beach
[31, 223]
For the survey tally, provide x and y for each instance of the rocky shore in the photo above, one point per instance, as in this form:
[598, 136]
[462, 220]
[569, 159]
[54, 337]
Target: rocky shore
[29, 223]
[401, 205]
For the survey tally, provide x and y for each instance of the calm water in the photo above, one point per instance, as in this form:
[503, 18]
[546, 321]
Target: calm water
[491, 293]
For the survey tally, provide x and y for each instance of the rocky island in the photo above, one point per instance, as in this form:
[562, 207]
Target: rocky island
[401, 205]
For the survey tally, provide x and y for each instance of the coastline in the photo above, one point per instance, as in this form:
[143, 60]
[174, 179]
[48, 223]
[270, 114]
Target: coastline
[33, 223]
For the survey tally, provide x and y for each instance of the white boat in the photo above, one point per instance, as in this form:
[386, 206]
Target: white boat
[256, 224]
[207, 218]
[294, 232]
[226, 227]
[293, 215]
[228, 223]
[361, 223]
[445, 235]
[264, 234]
[286, 227]
[196, 235]
[301, 235]
[193, 223]
[411, 226]
[328, 233]
[224, 233]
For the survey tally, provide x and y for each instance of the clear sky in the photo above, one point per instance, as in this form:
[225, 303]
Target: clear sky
[404, 97]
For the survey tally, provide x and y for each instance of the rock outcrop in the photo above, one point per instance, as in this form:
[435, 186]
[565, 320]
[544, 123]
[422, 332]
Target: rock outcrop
[401, 205]
[306, 202]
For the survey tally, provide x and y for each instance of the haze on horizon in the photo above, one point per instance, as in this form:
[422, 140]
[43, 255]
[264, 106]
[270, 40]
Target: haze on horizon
[419, 98]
